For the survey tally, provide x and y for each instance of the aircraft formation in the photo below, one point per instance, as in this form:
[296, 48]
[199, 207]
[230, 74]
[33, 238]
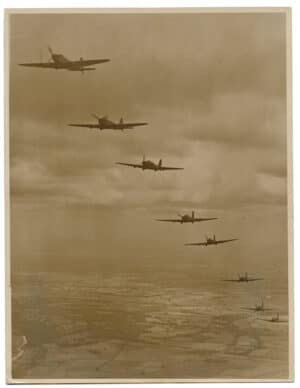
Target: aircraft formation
[60, 62]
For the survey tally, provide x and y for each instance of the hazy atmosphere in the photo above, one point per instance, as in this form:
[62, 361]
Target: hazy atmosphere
[212, 88]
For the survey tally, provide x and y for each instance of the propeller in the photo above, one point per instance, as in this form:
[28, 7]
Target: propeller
[99, 119]
[95, 116]
[51, 53]
[81, 65]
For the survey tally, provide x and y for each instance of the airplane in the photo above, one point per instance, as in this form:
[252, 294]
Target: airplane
[243, 278]
[257, 307]
[274, 319]
[186, 218]
[212, 241]
[149, 165]
[105, 123]
[59, 61]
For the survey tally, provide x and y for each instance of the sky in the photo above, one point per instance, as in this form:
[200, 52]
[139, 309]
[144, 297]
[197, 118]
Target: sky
[212, 88]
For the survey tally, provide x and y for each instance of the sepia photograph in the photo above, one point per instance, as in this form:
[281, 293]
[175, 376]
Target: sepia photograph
[149, 195]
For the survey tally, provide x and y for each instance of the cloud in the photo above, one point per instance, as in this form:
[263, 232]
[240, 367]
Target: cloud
[213, 89]
[184, 61]
[242, 120]
[211, 86]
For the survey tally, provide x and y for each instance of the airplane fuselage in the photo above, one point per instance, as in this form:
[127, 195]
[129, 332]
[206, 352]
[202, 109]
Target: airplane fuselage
[105, 123]
[211, 241]
[244, 278]
[60, 59]
[62, 62]
[149, 165]
[187, 218]
[259, 308]
[275, 319]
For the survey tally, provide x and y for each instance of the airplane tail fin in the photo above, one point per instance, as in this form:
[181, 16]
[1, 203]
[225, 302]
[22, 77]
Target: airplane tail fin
[193, 214]
[121, 120]
[160, 163]
[214, 237]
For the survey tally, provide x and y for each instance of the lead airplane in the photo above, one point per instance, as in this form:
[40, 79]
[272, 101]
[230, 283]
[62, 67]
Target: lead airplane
[149, 165]
[212, 241]
[105, 123]
[243, 278]
[59, 61]
[186, 218]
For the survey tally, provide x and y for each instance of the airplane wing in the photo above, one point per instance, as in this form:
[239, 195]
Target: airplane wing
[132, 125]
[168, 220]
[203, 219]
[224, 241]
[195, 244]
[130, 165]
[87, 62]
[85, 125]
[254, 309]
[231, 280]
[43, 65]
[254, 279]
[170, 168]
